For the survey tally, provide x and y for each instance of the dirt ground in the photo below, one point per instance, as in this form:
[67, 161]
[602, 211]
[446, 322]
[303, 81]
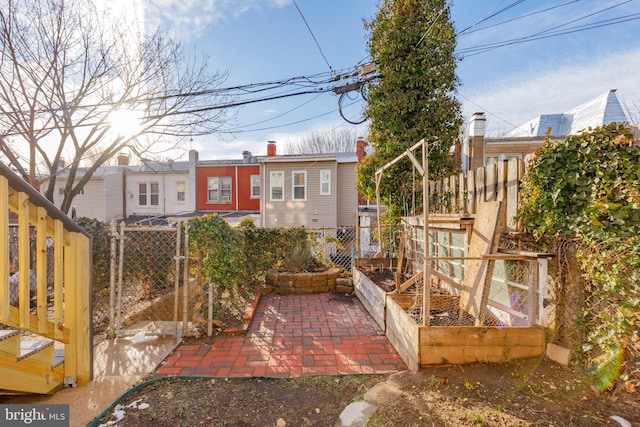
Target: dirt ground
[532, 392]
[523, 393]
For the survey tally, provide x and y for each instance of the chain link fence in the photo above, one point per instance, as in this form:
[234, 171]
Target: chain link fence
[147, 275]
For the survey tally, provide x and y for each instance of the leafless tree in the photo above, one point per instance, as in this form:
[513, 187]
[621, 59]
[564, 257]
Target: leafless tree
[334, 140]
[67, 67]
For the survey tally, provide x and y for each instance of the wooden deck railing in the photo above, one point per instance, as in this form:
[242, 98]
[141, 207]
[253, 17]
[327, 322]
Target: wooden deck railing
[60, 310]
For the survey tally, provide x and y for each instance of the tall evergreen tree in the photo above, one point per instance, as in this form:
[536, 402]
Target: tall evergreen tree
[412, 43]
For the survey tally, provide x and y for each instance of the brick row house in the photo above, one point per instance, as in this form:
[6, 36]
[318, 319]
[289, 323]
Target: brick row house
[314, 190]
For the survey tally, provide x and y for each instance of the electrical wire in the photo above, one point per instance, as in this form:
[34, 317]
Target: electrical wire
[313, 35]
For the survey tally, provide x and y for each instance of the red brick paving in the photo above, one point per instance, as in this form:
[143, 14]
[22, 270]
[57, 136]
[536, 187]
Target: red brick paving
[291, 336]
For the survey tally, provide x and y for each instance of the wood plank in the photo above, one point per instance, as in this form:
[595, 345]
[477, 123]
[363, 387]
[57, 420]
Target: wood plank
[58, 280]
[471, 193]
[4, 249]
[477, 273]
[459, 345]
[480, 187]
[482, 336]
[501, 181]
[84, 345]
[403, 333]
[462, 355]
[24, 266]
[407, 284]
[41, 269]
[514, 173]
[33, 379]
[462, 202]
[491, 182]
[14, 322]
[371, 296]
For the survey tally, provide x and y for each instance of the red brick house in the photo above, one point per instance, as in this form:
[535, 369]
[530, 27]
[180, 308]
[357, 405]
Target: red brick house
[228, 185]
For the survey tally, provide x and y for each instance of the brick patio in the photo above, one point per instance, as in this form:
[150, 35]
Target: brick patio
[294, 335]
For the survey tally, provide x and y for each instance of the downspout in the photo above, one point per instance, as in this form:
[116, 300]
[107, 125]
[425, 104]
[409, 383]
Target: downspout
[237, 193]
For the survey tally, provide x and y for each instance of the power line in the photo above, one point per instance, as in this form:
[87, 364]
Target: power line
[313, 35]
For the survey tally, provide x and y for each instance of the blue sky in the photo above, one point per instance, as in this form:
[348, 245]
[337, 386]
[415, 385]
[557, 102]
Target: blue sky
[259, 41]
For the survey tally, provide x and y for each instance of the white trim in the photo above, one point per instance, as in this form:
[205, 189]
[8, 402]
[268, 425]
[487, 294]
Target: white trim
[295, 186]
[272, 176]
[328, 172]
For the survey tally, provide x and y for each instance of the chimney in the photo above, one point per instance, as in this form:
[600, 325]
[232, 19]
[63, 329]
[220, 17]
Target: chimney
[61, 165]
[476, 141]
[123, 159]
[271, 148]
[360, 145]
[246, 156]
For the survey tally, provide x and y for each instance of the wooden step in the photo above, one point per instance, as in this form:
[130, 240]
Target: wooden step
[58, 358]
[10, 341]
[13, 380]
[37, 350]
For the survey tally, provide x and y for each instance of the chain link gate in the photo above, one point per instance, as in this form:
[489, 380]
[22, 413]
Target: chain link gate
[149, 268]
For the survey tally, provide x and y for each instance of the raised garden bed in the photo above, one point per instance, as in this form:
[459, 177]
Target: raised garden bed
[421, 346]
[303, 283]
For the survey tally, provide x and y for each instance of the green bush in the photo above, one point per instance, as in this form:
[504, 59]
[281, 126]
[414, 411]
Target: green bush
[588, 188]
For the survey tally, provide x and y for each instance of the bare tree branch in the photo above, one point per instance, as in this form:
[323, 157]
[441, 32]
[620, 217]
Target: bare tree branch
[66, 68]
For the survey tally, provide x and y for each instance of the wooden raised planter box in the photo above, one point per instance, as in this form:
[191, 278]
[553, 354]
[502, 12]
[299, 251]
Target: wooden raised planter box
[420, 346]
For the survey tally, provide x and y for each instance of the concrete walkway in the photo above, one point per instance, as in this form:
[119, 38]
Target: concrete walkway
[294, 335]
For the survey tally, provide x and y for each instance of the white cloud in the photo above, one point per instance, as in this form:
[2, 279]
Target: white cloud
[188, 19]
[556, 88]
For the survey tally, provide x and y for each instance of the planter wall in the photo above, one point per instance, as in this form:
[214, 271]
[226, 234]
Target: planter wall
[303, 283]
[371, 296]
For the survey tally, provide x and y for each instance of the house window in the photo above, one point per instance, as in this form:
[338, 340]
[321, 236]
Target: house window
[219, 189]
[495, 158]
[299, 180]
[148, 194]
[325, 182]
[255, 186]
[61, 191]
[277, 185]
[181, 193]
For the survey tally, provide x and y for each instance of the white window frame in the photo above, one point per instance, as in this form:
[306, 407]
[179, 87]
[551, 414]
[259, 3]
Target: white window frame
[223, 195]
[255, 187]
[182, 192]
[273, 176]
[61, 191]
[149, 193]
[295, 186]
[325, 180]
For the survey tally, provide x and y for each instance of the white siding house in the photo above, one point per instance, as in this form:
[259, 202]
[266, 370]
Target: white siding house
[102, 196]
[156, 189]
[317, 190]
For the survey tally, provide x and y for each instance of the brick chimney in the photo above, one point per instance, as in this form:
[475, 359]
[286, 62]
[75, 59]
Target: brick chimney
[477, 125]
[360, 146]
[271, 148]
[123, 159]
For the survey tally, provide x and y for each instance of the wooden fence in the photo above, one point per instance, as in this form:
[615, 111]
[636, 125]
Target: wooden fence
[462, 193]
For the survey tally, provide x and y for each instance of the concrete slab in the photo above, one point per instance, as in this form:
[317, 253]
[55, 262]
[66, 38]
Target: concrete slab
[357, 414]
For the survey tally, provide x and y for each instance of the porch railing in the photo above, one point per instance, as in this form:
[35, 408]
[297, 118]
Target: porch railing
[45, 284]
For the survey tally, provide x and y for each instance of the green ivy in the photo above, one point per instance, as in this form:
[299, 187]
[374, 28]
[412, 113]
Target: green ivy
[588, 187]
[218, 249]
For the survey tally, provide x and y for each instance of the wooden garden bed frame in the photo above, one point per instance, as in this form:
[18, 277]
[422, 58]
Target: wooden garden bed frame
[424, 345]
